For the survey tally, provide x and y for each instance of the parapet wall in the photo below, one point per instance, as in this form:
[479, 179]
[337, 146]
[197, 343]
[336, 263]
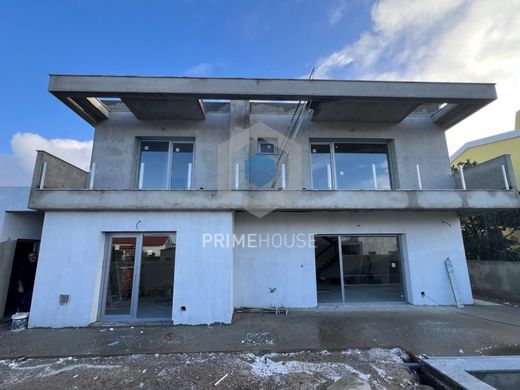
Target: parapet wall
[58, 174]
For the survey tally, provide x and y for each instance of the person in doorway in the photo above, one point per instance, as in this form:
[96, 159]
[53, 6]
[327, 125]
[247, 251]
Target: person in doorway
[25, 279]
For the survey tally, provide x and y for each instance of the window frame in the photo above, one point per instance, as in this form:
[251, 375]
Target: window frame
[169, 168]
[136, 276]
[332, 156]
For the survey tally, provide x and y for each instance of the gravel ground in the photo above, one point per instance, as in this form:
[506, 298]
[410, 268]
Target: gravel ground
[382, 368]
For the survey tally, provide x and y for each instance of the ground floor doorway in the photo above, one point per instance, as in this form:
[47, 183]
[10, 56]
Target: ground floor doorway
[139, 277]
[21, 282]
[356, 269]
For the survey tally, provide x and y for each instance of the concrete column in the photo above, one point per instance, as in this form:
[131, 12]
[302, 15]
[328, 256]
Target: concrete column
[7, 249]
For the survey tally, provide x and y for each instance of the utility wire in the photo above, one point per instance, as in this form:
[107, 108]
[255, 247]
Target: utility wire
[470, 315]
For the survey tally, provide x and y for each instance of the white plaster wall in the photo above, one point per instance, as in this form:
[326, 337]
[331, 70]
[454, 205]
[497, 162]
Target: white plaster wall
[22, 225]
[72, 255]
[428, 239]
[16, 220]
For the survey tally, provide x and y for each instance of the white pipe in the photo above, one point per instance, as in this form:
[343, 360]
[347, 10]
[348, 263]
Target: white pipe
[141, 176]
[462, 179]
[504, 175]
[283, 177]
[329, 176]
[237, 176]
[92, 176]
[419, 180]
[43, 175]
[188, 184]
[374, 176]
[341, 270]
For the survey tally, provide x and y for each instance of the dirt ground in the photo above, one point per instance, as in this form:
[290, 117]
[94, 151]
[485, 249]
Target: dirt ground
[381, 368]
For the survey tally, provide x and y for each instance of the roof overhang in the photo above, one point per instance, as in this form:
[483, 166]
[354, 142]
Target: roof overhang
[340, 100]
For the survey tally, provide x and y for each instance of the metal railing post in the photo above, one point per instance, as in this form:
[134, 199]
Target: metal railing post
[141, 177]
[462, 179]
[43, 175]
[188, 183]
[92, 176]
[237, 176]
[419, 180]
[504, 175]
[374, 176]
[283, 177]
[329, 176]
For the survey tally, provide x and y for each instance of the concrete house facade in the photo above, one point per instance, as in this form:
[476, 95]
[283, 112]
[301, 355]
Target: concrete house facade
[207, 194]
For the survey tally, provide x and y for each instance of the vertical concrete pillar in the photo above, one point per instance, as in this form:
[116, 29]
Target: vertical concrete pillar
[7, 249]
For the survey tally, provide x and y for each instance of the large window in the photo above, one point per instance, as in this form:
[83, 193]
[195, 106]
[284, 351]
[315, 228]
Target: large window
[166, 165]
[350, 166]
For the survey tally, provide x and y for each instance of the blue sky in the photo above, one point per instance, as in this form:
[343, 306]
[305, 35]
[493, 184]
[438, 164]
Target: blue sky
[433, 40]
[233, 38]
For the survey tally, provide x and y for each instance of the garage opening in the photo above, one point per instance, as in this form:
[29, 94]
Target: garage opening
[353, 269]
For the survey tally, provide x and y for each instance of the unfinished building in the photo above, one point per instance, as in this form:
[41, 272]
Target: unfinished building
[209, 194]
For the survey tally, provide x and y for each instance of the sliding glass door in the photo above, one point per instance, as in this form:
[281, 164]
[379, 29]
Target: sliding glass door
[139, 276]
[358, 269]
[350, 166]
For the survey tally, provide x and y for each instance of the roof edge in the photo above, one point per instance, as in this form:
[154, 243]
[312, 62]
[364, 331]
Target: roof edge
[484, 141]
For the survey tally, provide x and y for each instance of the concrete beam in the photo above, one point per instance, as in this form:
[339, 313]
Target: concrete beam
[454, 113]
[463, 202]
[269, 89]
[89, 108]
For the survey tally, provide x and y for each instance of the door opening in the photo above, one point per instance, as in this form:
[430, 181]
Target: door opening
[353, 269]
[139, 276]
[23, 272]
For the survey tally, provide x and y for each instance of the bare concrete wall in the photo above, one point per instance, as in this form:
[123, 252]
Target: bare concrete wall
[416, 140]
[488, 175]
[59, 173]
[496, 277]
[116, 147]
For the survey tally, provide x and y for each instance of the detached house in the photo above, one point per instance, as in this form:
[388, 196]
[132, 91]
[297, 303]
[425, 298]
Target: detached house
[209, 194]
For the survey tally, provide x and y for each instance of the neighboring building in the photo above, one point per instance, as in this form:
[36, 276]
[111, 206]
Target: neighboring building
[487, 148]
[20, 232]
[207, 195]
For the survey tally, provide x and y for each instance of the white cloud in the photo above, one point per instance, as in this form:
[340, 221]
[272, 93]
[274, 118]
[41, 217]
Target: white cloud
[200, 70]
[16, 168]
[337, 12]
[441, 40]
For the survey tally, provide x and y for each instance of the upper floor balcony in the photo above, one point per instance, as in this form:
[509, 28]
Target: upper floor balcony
[164, 143]
[57, 185]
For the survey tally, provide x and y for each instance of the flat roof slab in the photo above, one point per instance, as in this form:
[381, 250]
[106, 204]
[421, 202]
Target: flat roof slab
[165, 109]
[346, 100]
[360, 111]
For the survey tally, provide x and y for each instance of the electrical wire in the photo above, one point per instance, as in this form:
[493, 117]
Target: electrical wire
[471, 315]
